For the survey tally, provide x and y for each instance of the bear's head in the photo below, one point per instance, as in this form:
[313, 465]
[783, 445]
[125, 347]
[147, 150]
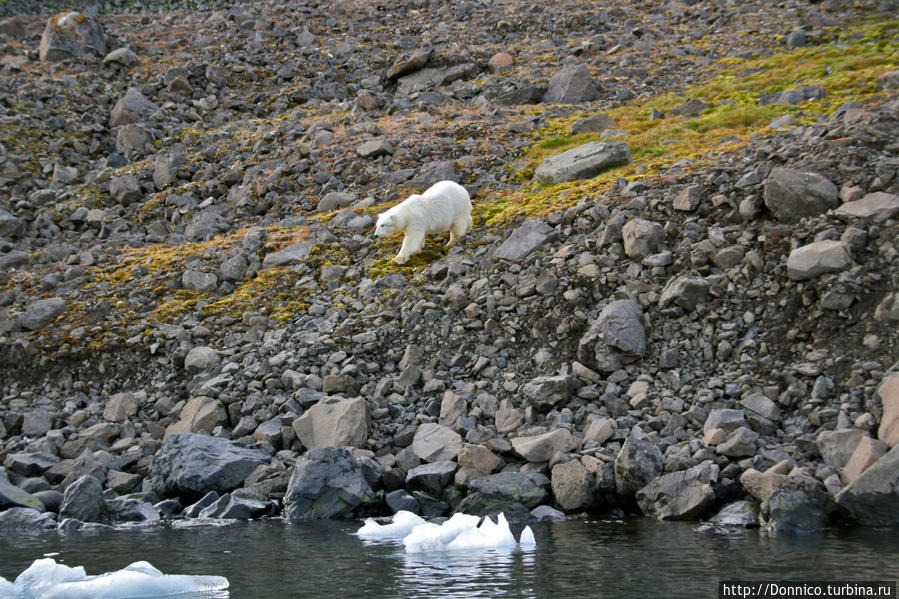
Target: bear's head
[386, 225]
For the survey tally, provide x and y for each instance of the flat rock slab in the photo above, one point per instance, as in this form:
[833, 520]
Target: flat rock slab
[818, 258]
[434, 442]
[293, 254]
[583, 162]
[873, 497]
[529, 236]
[877, 206]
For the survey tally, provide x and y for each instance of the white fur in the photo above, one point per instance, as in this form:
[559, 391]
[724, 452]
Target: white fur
[445, 206]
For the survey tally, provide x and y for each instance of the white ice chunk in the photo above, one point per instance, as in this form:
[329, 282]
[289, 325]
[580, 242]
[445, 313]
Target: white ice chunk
[461, 532]
[527, 540]
[401, 525]
[45, 579]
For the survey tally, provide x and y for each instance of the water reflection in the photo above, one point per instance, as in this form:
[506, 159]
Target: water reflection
[476, 573]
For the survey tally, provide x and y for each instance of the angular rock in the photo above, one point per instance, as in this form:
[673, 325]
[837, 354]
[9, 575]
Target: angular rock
[191, 465]
[132, 140]
[792, 97]
[738, 444]
[573, 486]
[528, 237]
[479, 458]
[792, 511]
[12, 496]
[122, 406]
[242, 504]
[201, 358]
[688, 199]
[573, 84]
[166, 168]
[820, 257]
[434, 442]
[30, 463]
[621, 326]
[888, 391]
[888, 309]
[334, 422]
[686, 291]
[888, 80]
[739, 513]
[37, 422]
[11, 226]
[727, 419]
[762, 484]
[121, 56]
[289, 255]
[201, 282]
[642, 238]
[24, 520]
[759, 404]
[327, 483]
[83, 500]
[335, 200]
[867, 452]
[42, 312]
[409, 64]
[876, 207]
[873, 498]
[544, 392]
[431, 478]
[72, 35]
[125, 190]
[133, 107]
[598, 432]
[683, 495]
[583, 162]
[593, 124]
[791, 195]
[540, 448]
[637, 464]
[506, 491]
[375, 148]
[836, 447]
[200, 415]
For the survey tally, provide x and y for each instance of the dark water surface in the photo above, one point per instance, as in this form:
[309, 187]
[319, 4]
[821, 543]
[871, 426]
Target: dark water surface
[576, 558]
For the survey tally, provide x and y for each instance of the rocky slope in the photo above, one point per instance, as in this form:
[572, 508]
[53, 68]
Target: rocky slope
[680, 291]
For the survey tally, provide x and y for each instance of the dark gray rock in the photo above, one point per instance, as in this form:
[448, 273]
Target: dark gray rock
[789, 511]
[544, 392]
[401, 500]
[686, 291]
[583, 162]
[242, 504]
[289, 255]
[528, 237]
[11, 226]
[873, 498]
[167, 168]
[509, 492]
[125, 190]
[793, 96]
[739, 513]
[334, 200]
[637, 464]
[194, 510]
[726, 419]
[791, 194]
[684, 495]
[23, 520]
[30, 463]
[83, 500]
[431, 478]
[42, 312]
[131, 509]
[328, 483]
[593, 124]
[191, 465]
[13, 496]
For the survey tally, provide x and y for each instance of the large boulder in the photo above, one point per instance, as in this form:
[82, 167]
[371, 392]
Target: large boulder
[72, 35]
[511, 492]
[431, 478]
[637, 464]
[42, 312]
[791, 511]
[836, 447]
[683, 495]
[11, 226]
[200, 415]
[573, 84]
[83, 500]
[685, 290]
[818, 258]
[434, 442]
[873, 498]
[544, 392]
[191, 465]
[529, 236]
[133, 107]
[583, 162]
[573, 486]
[877, 207]
[617, 334]
[13, 496]
[540, 448]
[328, 483]
[334, 422]
[641, 238]
[791, 195]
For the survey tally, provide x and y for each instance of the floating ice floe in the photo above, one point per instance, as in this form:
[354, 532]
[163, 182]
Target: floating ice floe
[402, 524]
[461, 532]
[45, 579]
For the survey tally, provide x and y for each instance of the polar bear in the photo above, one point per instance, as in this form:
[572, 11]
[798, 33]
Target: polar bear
[445, 206]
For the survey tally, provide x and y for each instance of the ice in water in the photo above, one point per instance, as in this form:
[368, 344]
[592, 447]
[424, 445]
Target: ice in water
[461, 532]
[402, 524]
[45, 579]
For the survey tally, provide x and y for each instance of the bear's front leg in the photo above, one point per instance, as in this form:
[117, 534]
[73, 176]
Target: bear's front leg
[412, 244]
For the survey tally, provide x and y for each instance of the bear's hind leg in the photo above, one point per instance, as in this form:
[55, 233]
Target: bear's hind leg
[459, 228]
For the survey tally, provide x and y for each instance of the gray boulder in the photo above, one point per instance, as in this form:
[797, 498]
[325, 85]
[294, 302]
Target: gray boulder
[726, 419]
[125, 190]
[431, 478]
[11, 226]
[540, 448]
[201, 282]
[289, 255]
[583, 162]
[637, 464]
[573, 84]
[133, 107]
[876, 207]
[509, 492]
[873, 498]
[334, 422]
[791, 195]
[642, 238]
[242, 504]
[122, 406]
[836, 447]
[335, 200]
[616, 334]
[683, 495]
[192, 465]
[544, 392]
[13, 496]
[83, 500]
[593, 124]
[42, 312]
[434, 442]
[24, 520]
[30, 463]
[790, 511]
[573, 486]
[327, 483]
[742, 513]
[72, 35]
[201, 358]
[686, 291]
[818, 258]
[528, 237]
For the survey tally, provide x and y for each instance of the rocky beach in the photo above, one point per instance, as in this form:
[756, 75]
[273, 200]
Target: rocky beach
[679, 301]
